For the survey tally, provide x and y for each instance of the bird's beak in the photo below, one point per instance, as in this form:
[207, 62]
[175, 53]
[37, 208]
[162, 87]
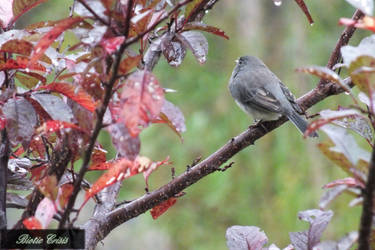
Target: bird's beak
[236, 61]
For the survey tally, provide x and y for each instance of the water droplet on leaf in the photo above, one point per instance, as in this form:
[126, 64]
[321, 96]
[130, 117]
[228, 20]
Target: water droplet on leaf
[277, 2]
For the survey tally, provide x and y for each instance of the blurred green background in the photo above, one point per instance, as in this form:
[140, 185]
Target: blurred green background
[270, 181]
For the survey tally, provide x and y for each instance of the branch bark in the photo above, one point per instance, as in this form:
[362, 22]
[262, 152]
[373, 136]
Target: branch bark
[367, 208]
[4, 157]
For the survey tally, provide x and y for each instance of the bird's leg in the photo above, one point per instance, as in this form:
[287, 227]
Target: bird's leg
[258, 123]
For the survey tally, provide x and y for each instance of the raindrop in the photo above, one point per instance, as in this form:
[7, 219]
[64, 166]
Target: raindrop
[277, 2]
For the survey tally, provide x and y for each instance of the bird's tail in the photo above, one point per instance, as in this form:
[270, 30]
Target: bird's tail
[300, 123]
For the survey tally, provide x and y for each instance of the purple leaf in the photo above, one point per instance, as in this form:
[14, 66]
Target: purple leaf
[83, 116]
[16, 201]
[318, 220]
[345, 143]
[346, 242]
[54, 106]
[173, 51]
[330, 195]
[365, 48]
[196, 42]
[21, 120]
[125, 144]
[173, 116]
[245, 238]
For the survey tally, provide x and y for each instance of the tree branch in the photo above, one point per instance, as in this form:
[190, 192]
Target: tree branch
[367, 207]
[4, 157]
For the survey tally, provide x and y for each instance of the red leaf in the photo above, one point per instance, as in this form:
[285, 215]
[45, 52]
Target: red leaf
[101, 166]
[129, 63]
[305, 10]
[20, 7]
[147, 166]
[173, 117]
[51, 36]
[55, 126]
[205, 27]
[366, 22]
[48, 186]
[45, 211]
[162, 207]
[21, 63]
[120, 169]
[110, 45]
[142, 99]
[32, 223]
[77, 94]
[351, 182]
[21, 47]
[98, 157]
[64, 194]
[37, 173]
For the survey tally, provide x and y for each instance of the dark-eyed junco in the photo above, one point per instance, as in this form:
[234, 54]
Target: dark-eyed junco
[262, 95]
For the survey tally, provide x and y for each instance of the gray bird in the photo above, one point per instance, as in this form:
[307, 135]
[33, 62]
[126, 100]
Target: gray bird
[259, 92]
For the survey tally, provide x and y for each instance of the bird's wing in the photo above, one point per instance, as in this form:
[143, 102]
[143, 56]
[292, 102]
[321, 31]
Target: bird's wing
[291, 98]
[260, 98]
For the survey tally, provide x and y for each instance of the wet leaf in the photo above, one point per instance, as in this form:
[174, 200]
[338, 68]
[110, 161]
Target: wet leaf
[245, 238]
[362, 73]
[21, 120]
[30, 79]
[365, 48]
[54, 126]
[174, 52]
[129, 63]
[20, 7]
[205, 27]
[32, 223]
[75, 93]
[110, 45]
[120, 170]
[126, 145]
[56, 108]
[45, 211]
[21, 63]
[146, 166]
[366, 22]
[141, 101]
[17, 46]
[323, 72]
[48, 186]
[343, 150]
[63, 195]
[51, 36]
[196, 42]
[349, 181]
[318, 221]
[16, 201]
[331, 194]
[173, 117]
[162, 208]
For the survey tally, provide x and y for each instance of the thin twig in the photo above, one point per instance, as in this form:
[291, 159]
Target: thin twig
[97, 17]
[152, 27]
